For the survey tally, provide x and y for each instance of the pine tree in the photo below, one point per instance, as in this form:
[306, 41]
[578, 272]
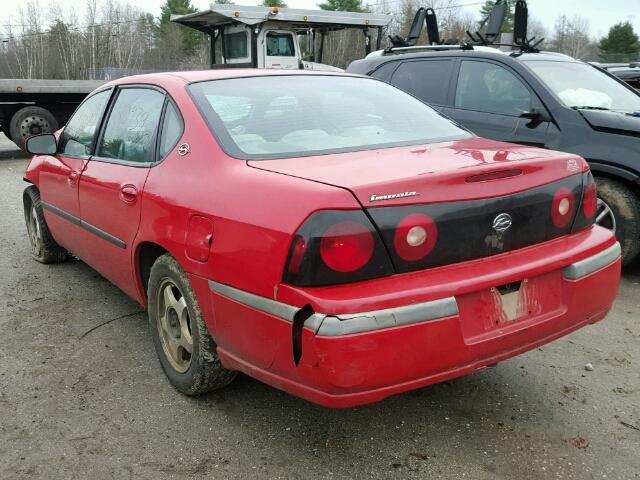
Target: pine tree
[274, 3]
[507, 25]
[621, 44]
[190, 37]
[343, 5]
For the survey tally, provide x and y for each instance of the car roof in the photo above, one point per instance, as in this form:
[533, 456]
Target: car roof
[192, 76]
[378, 58]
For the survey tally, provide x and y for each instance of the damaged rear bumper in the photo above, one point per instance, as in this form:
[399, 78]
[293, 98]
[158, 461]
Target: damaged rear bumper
[351, 357]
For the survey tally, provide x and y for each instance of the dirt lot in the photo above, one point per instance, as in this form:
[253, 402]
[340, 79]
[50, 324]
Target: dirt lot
[80, 400]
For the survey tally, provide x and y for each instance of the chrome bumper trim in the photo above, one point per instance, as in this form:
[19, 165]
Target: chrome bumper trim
[277, 309]
[589, 265]
[334, 325]
[344, 324]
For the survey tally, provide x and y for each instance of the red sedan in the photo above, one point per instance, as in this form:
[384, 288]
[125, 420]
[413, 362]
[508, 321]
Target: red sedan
[327, 234]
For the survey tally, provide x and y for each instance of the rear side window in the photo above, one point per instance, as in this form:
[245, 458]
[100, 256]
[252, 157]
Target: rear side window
[280, 45]
[77, 137]
[171, 130]
[428, 80]
[487, 87]
[132, 125]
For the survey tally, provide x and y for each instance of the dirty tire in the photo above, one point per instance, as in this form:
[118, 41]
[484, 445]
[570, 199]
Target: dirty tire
[43, 247]
[625, 206]
[204, 372]
[31, 121]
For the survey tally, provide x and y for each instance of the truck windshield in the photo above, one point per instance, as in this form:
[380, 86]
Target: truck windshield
[579, 85]
[283, 116]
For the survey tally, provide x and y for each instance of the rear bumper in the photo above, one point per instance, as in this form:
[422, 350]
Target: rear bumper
[358, 356]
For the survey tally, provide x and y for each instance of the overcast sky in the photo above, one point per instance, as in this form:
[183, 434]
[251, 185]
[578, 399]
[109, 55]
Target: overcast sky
[601, 14]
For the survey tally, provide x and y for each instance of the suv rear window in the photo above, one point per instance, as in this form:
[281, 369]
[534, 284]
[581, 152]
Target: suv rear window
[426, 79]
[302, 115]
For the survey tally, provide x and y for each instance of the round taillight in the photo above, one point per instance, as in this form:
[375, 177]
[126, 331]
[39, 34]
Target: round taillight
[562, 207]
[346, 246]
[415, 237]
[590, 200]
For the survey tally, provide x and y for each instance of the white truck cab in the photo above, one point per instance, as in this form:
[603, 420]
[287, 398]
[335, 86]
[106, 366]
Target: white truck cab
[270, 37]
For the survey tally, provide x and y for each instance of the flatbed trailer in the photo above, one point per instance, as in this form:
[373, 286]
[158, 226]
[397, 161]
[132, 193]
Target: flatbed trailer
[29, 107]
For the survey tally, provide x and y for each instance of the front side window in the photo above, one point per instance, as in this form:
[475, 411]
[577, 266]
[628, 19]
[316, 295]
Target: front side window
[303, 115]
[131, 128]
[78, 136]
[487, 87]
[426, 79]
[579, 85]
[235, 45]
[280, 45]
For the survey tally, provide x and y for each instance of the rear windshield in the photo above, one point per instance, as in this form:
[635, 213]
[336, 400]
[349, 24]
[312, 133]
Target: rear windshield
[303, 115]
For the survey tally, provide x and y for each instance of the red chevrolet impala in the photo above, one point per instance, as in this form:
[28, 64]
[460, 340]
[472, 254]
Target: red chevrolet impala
[325, 233]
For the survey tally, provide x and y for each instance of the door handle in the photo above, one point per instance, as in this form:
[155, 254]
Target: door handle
[128, 194]
[73, 176]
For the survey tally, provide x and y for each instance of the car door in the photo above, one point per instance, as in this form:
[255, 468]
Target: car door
[112, 182]
[280, 50]
[493, 102]
[427, 79]
[59, 175]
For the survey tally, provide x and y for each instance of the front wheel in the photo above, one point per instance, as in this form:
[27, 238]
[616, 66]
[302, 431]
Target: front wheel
[182, 341]
[619, 211]
[43, 246]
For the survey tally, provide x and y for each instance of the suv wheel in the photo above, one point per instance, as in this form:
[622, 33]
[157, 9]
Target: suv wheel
[619, 210]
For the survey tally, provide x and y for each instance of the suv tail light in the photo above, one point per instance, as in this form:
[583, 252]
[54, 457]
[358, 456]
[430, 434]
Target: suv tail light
[586, 214]
[336, 246]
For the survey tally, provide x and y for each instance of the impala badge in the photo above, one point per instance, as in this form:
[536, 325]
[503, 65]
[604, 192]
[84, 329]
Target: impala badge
[391, 196]
[502, 223]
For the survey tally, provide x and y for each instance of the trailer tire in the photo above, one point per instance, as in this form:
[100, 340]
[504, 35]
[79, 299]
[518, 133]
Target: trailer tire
[30, 121]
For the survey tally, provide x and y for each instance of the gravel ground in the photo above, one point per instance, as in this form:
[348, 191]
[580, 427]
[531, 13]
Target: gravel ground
[83, 403]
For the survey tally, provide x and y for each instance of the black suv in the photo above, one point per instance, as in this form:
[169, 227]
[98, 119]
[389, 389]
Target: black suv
[547, 100]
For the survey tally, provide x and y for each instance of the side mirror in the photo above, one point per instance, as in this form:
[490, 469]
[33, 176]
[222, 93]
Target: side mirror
[43, 144]
[536, 115]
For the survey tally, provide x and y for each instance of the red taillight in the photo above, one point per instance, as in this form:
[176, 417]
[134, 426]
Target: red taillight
[562, 207]
[415, 237]
[297, 253]
[589, 200]
[346, 246]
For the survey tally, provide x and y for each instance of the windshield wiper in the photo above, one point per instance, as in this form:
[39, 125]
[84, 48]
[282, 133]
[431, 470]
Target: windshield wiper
[589, 107]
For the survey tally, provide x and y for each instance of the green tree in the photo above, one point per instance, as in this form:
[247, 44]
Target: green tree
[507, 25]
[191, 38]
[343, 5]
[274, 3]
[621, 44]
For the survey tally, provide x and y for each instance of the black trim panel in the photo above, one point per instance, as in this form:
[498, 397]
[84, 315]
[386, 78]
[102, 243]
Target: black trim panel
[87, 226]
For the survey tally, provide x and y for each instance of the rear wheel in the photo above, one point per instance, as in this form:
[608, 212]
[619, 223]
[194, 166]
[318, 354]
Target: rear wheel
[43, 247]
[30, 121]
[619, 210]
[182, 341]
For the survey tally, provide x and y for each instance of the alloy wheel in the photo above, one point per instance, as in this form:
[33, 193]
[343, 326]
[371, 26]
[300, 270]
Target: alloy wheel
[33, 229]
[174, 326]
[604, 216]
